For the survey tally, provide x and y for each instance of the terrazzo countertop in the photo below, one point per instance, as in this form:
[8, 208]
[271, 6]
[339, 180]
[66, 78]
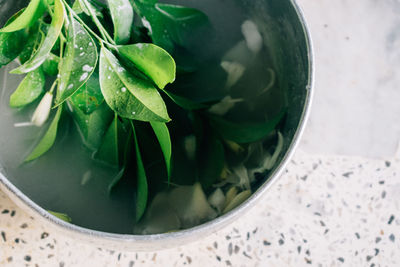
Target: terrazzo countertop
[324, 211]
[338, 202]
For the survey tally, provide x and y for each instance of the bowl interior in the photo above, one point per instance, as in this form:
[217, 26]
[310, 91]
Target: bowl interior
[287, 44]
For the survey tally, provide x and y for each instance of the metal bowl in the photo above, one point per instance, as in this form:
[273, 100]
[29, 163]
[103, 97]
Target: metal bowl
[290, 46]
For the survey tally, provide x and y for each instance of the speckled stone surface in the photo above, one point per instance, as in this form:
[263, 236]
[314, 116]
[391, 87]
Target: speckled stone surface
[324, 211]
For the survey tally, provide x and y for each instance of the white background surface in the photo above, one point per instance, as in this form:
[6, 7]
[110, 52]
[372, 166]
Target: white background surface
[329, 209]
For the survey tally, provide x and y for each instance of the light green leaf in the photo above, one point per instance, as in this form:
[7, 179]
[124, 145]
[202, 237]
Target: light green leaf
[122, 17]
[61, 216]
[50, 65]
[30, 88]
[163, 137]
[32, 12]
[142, 187]
[89, 97]
[108, 151]
[244, 132]
[47, 44]
[78, 63]
[93, 126]
[48, 139]
[152, 60]
[128, 95]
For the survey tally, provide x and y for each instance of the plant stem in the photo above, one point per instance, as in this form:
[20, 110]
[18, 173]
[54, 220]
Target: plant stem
[96, 21]
[101, 40]
[100, 4]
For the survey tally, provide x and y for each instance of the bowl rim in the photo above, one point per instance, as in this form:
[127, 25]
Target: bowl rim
[166, 240]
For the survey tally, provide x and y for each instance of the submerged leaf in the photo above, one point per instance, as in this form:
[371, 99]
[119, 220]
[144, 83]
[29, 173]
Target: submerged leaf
[171, 24]
[152, 60]
[79, 61]
[48, 139]
[185, 103]
[128, 95]
[244, 132]
[142, 187]
[212, 161]
[122, 16]
[47, 44]
[108, 151]
[89, 97]
[61, 216]
[237, 200]
[30, 88]
[93, 126]
[32, 12]
[162, 134]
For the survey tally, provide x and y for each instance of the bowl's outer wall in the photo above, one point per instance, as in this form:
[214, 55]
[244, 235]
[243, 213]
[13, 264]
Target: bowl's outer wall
[286, 36]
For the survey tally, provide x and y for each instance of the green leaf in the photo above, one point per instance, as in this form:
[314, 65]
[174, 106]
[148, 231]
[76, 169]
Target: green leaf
[184, 102]
[32, 12]
[163, 137]
[48, 139]
[33, 40]
[79, 61]
[142, 187]
[47, 44]
[89, 97]
[128, 95]
[11, 44]
[152, 60]
[61, 216]
[122, 17]
[30, 88]
[50, 65]
[212, 161]
[108, 151]
[93, 126]
[172, 24]
[244, 132]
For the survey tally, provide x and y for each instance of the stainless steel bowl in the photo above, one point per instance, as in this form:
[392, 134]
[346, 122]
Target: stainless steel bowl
[290, 46]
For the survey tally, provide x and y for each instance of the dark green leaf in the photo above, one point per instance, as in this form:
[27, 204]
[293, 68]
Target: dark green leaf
[11, 44]
[32, 12]
[48, 139]
[61, 216]
[108, 151]
[116, 179]
[152, 60]
[122, 16]
[35, 37]
[163, 137]
[30, 88]
[185, 103]
[129, 96]
[89, 97]
[50, 65]
[171, 24]
[142, 187]
[244, 132]
[148, 1]
[47, 44]
[79, 61]
[212, 161]
[93, 126]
